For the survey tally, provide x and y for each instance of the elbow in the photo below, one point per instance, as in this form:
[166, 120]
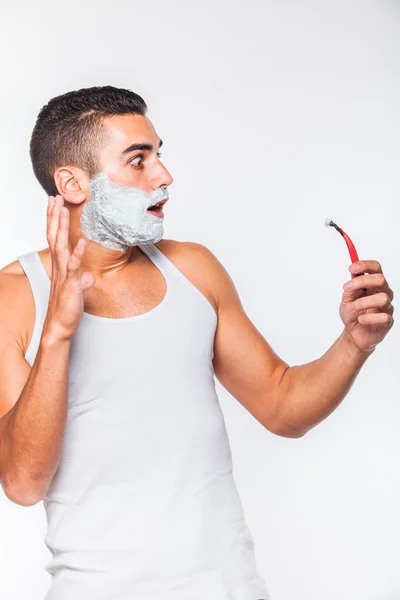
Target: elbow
[280, 425]
[281, 429]
[24, 495]
[287, 432]
[293, 434]
[27, 498]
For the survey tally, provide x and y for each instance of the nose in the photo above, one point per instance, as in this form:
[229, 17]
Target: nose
[162, 177]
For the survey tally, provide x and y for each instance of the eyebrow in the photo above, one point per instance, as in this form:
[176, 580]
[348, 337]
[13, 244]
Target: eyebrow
[133, 147]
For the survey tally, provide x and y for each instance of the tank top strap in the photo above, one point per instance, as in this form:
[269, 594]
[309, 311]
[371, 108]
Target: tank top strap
[159, 259]
[163, 264]
[175, 278]
[40, 285]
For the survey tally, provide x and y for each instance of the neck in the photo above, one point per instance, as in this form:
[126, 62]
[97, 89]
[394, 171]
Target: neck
[104, 262]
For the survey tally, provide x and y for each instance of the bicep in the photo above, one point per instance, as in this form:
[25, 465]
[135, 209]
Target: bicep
[14, 370]
[244, 362]
[14, 373]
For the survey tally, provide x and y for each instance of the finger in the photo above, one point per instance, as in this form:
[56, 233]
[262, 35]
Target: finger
[61, 244]
[377, 281]
[348, 297]
[50, 202]
[380, 301]
[87, 280]
[365, 266]
[59, 251]
[51, 236]
[50, 205]
[382, 319]
[54, 219]
[74, 261]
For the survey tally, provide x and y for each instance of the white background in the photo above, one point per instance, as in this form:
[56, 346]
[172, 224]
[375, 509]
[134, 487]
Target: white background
[274, 115]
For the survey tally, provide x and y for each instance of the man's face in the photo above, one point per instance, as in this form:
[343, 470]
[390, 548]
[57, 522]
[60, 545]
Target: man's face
[129, 165]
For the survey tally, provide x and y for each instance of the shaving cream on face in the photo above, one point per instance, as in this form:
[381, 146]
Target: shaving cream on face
[117, 217]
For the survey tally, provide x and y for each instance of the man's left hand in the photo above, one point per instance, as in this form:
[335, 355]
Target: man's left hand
[372, 315]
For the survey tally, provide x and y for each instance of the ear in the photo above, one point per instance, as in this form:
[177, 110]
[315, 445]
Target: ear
[72, 184]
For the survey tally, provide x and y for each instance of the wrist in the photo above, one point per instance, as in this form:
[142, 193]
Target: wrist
[353, 348]
[53, 336]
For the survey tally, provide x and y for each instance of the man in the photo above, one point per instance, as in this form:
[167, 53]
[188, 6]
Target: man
[110, 340]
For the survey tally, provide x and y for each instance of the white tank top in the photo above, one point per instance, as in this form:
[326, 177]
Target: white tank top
[144, 505]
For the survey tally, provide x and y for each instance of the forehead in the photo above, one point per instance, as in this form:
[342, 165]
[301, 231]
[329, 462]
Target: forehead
[123, 130]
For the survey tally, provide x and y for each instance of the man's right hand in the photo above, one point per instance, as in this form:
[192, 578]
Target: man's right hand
[67, 285]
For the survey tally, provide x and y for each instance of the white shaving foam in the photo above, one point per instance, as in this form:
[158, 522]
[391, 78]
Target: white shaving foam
[117, 217]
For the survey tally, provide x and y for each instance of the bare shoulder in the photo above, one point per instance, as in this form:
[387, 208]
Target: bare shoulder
[13, 286]
[17, 307]
[13, 268]
[201, 267]
[14, 290]
[186, 252]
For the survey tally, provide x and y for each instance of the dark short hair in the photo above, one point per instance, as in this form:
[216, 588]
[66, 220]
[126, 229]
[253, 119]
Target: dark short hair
[70, 130]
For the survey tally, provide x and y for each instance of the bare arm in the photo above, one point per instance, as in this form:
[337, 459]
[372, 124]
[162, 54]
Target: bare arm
[244, 362]
[289, 401]
[309, 393]
[31, 431]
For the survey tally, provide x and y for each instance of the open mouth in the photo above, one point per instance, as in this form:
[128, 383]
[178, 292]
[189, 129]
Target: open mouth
[156, 209]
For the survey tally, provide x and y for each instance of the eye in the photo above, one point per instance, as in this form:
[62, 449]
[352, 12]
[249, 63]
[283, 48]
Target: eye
[140, 157]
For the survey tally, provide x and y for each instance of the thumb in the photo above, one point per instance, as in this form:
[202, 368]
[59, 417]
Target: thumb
[87, 280]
